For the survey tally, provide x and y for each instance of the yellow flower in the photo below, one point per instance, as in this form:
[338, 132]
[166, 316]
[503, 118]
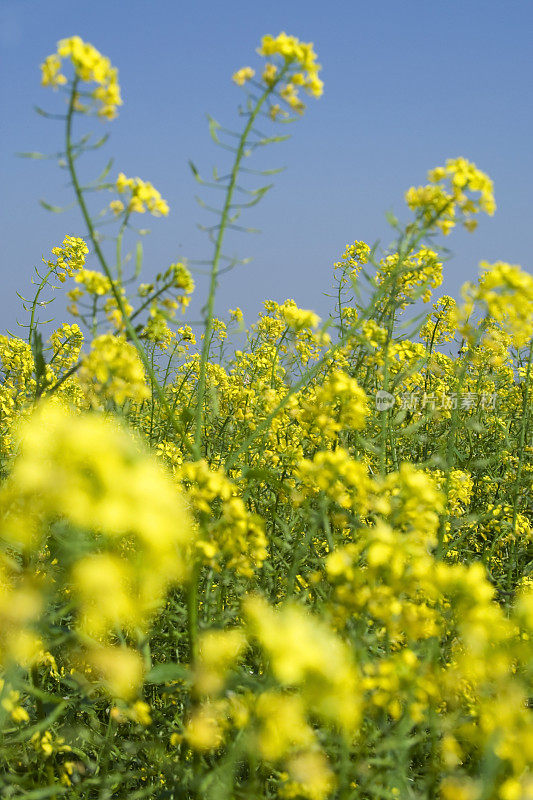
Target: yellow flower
[303, 652]
[299, 318]
[269, 74]
[310, 776]
[299, 69]
[10, 702]
[51, 75]
[243, 75]
[441, 205]
[90, 66]
[85, 470]
[218, 651]
[283, 724]
[140, 712]
[70, 257]
[142, 196]
[113, 369]
[205, 727]
[120, 669]
[104, 587]
[292, 50]
[116, 206]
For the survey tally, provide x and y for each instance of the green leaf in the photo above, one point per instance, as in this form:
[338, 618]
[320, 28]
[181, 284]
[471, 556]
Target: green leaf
[32, 155]
[391, 219]
[44, 113]
[37, 350]
[100, 142]
[214, 126]
[138, 259]
[273, 171]
[195, 172]
[163, 673]
[105, 172]
[272, 139]
[55, 209]
[47, 791]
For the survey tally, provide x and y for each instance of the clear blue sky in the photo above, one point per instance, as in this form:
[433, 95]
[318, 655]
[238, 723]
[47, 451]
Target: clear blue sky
[407, 85]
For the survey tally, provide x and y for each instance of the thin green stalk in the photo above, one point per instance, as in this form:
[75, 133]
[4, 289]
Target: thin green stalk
[115, 290]
[119, 246]
[192, 612]
[213, 282]
[385, 413]
[42, 284]
[150, 299]
[276, 355]
[450, 445]
[521, 451]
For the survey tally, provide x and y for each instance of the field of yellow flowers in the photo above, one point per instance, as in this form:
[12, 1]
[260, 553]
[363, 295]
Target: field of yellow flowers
[298, 569]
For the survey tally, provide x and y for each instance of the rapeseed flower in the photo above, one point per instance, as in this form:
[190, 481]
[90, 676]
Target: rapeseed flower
[90, 66]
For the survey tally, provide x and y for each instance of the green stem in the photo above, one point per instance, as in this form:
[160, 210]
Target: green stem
[450, 445]
[522, 441]
[115, 286]
[150, 299]
[276, 355]
[42, 284]
[385, 413]
[213, 282]
[192, 613]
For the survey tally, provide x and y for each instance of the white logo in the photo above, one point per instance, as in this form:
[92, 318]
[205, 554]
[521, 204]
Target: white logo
[384, 400]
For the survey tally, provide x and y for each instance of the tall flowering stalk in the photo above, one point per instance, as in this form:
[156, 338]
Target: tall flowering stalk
[293, 65]
[90, 67]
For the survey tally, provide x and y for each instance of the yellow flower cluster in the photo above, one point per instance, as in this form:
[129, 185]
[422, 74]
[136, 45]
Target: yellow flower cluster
[219, 650]
[18, 375]
[90, 66]
[113, 370]
[344, 480]
[507, 293]
[48, 744]
[390, 592]
[459, 489]
[142, 197]
[504, 296]
[298, 68]
[447, 198]
[177, 276]
[413, 277]
[337, 405]
[440, 326]
[321, 665]
[70, 258]
[243, 75]
[316, 678]
[231, 535]
[99, 285]
[351, 262]
[93, 282]
[298, 318]
[95, 477]
[20, 607]
[66, 343]
[293, 51]
[10, 702]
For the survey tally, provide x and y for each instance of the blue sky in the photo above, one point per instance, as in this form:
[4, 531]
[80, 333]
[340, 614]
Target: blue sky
[407, 85]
